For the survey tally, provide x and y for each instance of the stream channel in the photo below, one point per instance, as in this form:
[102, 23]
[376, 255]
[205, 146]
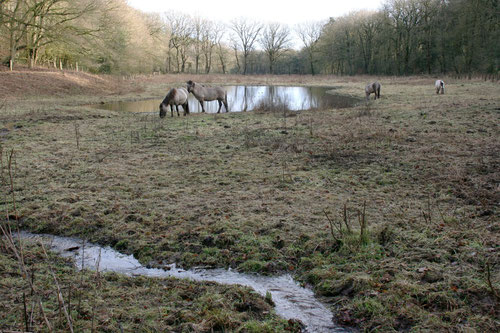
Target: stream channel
[291, 300]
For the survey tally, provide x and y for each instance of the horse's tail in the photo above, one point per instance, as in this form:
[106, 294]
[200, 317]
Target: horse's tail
[225, 101]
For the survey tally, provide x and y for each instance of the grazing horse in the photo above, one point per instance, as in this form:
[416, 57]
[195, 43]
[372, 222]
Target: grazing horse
[372, 88]
[175, 97]
[439, 85]
[203, 94]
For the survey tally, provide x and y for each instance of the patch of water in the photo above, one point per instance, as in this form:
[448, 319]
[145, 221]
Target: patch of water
[291, 300]
[250, 98]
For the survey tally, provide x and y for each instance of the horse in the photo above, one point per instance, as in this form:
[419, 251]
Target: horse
[203, 94]
[439, 85]
[372, 88]
[175, 97]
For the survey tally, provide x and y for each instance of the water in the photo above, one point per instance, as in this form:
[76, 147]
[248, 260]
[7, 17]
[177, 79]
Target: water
[250, 98]
[291, 300]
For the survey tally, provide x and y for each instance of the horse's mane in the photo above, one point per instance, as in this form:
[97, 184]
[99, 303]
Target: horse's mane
[170, 95]
[190, 82]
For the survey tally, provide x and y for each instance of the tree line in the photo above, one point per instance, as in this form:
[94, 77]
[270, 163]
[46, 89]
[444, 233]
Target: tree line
[403, 37]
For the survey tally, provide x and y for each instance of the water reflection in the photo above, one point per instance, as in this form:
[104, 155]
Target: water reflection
[252, 98]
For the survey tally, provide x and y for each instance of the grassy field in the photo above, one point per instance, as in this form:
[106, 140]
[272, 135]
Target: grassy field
[389, 210]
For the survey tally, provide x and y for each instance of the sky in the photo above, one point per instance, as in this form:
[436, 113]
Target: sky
[283, 11]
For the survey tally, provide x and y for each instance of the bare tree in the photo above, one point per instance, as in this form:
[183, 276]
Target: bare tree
[2, 10]
[235, 46]
[211, 37]
[275, 40]
[32, 24]
[309, 34]
[180, 26]
[51, 20]
[405, 17]
[199, 34]
[218, 32]
[246, 33]
[367, 27]
[15, 16]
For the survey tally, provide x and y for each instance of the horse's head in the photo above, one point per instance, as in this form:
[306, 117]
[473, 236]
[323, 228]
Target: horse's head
[190, 86]
[163, 110]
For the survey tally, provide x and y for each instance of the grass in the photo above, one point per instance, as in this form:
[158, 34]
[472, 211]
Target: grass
[111, 302]
[235, 190]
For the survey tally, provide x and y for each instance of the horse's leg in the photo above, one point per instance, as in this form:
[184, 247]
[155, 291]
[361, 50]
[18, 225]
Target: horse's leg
[202, 107]
[171, 110]
[220, 105]
[225, 105]
[186, 108]
[177, 108]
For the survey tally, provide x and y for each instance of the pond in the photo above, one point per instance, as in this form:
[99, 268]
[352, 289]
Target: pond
[251, 98]
[292, 301]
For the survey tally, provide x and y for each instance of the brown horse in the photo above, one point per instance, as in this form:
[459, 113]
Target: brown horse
[203, 94]
[175, 97]
[372, 88]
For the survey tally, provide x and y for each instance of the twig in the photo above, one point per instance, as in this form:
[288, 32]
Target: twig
[488, 278]
[59, 293]
[362, 224]
[8, 239]
[331, 225]
[77, 135]
[81, 277]
[69, 300]
[346, 221]
[44, 316]
[25, 313]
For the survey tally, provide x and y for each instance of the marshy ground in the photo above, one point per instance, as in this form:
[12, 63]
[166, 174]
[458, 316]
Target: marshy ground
[265, 192]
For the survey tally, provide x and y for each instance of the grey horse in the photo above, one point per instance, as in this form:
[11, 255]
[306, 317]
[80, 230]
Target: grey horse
[175, 97]
[439, 85]
[372, 88]
[203, 94]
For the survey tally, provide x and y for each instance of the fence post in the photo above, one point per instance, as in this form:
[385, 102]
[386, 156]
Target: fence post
[11, 64]
[60, 64]
[77, 66]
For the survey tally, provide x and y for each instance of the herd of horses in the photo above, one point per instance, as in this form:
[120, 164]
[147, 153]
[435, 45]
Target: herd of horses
[179, 96]
[374, 88]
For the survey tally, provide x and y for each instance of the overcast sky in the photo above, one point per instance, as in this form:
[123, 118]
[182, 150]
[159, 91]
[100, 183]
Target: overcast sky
[283, 11]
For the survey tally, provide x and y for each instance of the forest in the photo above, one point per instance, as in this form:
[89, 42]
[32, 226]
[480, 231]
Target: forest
[403, 37]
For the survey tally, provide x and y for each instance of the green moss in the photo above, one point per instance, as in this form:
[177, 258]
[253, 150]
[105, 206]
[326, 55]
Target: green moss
[252, 266]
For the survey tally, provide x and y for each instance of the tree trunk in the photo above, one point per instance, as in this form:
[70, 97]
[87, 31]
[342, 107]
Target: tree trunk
[311, 61]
